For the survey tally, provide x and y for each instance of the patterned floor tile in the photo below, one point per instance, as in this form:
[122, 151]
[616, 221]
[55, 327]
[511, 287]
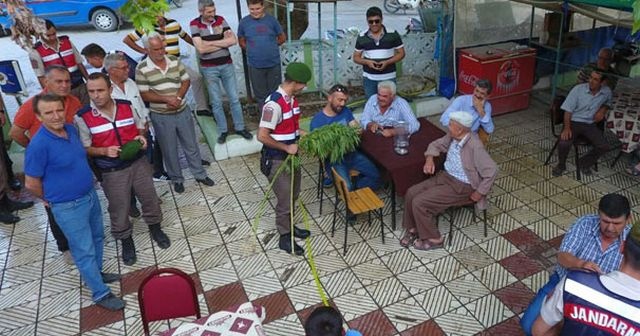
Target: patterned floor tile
[67, 324]
[536, 280]
[525, 215]
[18, 317]
[405, 314]
[494, 276]
[372, 271]
[459, 322]
[387, 291]
[340, 282]
[286, 326]
[509, 327]
[276, 304]
[447, 269]
[373, 323]
[400, 261]
[520, 265]
[523, 238]
[516, 296]
[95, 317]
[262, 285]
[418, 280]
[217, 276]
[499, 248]
[437, 301]
[467, 288]
[306, 295]
[225, 296]
[489, 310]
[430, 328]
[473, 258]
[355, 304]
[503, 223]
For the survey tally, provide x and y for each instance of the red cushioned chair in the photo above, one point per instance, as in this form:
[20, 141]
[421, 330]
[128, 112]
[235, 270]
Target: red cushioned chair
[167, 293]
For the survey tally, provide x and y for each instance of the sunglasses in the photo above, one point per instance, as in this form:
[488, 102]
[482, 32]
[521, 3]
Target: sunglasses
[376, 21]
[339, 88]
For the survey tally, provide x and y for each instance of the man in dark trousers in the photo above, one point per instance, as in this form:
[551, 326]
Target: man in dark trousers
[279, 131]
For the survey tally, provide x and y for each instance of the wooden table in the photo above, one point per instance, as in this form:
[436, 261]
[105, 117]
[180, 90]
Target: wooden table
[244, 319]
[402, 171]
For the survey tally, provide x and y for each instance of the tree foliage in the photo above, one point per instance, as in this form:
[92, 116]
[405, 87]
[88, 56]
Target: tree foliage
[143, 13]
[26, 27]
[636, 16]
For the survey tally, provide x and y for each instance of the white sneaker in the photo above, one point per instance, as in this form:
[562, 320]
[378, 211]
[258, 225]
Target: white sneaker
[67, 257]
[161, 178]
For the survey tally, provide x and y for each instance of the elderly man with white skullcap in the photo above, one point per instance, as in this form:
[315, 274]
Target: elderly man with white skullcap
[467, 177]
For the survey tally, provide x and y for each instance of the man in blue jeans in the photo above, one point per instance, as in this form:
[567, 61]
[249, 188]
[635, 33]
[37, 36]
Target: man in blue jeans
[335, 111]
[212, 37]
[54, 157]
[592, 244]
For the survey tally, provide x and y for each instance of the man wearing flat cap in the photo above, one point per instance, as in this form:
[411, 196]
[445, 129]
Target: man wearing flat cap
[467, 178]
[279, 131]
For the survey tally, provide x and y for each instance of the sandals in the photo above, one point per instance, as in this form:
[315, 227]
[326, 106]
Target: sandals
[408, 238]
[633, 171]
[426, 245]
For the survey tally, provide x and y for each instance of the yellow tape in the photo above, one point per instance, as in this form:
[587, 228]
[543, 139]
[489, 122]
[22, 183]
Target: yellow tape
[312, 263]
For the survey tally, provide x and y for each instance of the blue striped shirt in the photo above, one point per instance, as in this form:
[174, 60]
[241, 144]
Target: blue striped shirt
[400, 110]
[453, 164]
[583, 240]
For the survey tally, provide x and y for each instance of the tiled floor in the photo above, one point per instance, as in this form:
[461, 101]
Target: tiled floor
[477, 285]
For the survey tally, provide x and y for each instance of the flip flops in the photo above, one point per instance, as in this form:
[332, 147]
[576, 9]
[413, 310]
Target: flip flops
[408, 239]
[426, 245]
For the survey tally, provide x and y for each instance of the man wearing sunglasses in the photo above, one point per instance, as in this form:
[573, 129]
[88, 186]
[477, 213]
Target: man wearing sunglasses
[378, 51]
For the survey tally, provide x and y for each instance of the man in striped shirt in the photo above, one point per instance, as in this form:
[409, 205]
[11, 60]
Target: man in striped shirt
[378, 51]
[163, 83]
[212, 37]
[172, 32]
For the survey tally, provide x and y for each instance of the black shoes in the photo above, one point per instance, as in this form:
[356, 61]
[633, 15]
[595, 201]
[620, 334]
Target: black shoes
[15, 184]
[206, 181]
[205, 163]
[110, 277]
[111, 302]
[204, 113]
[11, 205]
[558, 170]
[223, 138]
[245, 134]
[178, 187]
[134, 212]
[128, 251]
[8, 218]
[285, 245]
[159, 236]
[300, 233]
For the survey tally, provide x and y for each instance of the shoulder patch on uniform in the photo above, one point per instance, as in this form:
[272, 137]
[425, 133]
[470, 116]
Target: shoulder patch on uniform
[267, 112]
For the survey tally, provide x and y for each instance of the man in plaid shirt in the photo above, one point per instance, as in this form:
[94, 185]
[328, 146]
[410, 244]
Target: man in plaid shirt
[592, 244]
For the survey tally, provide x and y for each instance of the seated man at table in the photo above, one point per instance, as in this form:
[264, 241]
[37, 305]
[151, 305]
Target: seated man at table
[613, 298]
[335, 111]
[382, 111]
[592, 244]
[603, 65]
[585, 107]
[478, 105]
[467, 178]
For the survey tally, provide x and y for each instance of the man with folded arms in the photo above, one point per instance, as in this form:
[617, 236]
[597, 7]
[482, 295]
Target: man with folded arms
[55, 157]
[106, 128]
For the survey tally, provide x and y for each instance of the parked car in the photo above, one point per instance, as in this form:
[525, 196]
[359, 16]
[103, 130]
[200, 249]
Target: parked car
[102, 14]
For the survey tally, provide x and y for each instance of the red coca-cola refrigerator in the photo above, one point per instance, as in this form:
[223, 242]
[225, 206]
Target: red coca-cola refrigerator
[510, 68]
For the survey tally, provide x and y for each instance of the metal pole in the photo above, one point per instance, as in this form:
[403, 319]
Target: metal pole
[556, 68]
[319, 78]
[335, 41]
[245, 65]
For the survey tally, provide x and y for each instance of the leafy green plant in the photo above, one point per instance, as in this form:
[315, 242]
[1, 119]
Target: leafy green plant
[636, 16]
[330, 142]
[143, 13]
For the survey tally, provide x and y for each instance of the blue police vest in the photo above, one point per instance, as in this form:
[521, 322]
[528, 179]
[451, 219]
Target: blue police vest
[591, 309]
